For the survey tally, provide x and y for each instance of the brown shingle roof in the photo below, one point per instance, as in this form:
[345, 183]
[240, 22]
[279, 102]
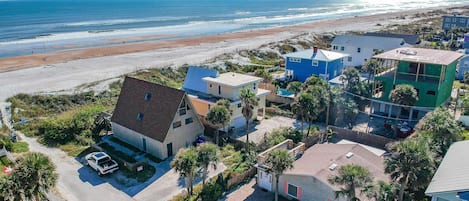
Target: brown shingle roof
[158, 112]
[317, 159]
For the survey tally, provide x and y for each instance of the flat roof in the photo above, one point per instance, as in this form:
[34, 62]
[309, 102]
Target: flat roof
[453, 173]
[421, 55]
[233, 79]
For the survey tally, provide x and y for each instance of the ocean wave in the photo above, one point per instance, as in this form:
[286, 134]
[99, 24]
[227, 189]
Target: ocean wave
[297, 9]
[121, 21]
[242, 12]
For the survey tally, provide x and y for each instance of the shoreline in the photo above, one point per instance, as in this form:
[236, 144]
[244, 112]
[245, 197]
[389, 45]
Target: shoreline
[65, 71]
[34, 60]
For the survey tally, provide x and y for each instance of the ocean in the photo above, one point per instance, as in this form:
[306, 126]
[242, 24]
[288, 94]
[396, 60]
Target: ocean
[39, 26]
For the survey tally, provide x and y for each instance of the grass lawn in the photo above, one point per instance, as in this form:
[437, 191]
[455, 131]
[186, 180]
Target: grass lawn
[74, 150]
[20, 147]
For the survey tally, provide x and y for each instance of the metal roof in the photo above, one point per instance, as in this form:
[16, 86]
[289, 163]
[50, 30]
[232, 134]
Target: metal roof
[193, 80]
[374, 42]
[321, 55]
[453, 173]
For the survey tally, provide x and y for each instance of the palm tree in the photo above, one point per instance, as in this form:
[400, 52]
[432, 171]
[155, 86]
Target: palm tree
[371, 66]
[351, 177]
[185, 162]
[278, 162]
[227, 104]
[320, 94]
[9, 188]
[35, 174]
[410, 165]
[300, 107]
[382, 191]
[404, 94]
[294, 87]
[442, 128]
[208, 154]
[249, 102]
[217, 117]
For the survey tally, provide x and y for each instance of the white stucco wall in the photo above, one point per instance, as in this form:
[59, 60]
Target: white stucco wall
[312, 188]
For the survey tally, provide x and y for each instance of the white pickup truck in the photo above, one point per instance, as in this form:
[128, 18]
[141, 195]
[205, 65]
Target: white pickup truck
[101, 163]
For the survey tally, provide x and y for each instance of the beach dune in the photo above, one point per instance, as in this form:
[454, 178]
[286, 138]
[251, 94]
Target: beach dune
[68, 69]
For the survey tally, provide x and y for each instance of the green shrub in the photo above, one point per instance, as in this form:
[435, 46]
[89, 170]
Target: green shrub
[75, 125]
[153, 158]
[20, 147]
[124, 144]
[211, 192]
[4, 160]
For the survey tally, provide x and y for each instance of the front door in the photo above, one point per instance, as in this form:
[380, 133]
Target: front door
[144, 145]
[169, 147]
[265, 180]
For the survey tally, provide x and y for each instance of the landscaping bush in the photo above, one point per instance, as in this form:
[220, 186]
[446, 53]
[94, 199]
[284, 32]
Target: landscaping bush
[124, 144]
[211, 192]
[75, 125]
[16, 147]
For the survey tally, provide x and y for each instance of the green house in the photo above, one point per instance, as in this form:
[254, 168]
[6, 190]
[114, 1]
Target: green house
[430, 71]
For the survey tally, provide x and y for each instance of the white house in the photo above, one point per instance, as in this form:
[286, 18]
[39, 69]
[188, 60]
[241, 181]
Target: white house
[362, 48]
[205, 87]
[156, 119]
[451, 180]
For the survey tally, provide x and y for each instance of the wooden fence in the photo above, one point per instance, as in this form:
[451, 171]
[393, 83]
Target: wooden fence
[235, 179]
[361, 137]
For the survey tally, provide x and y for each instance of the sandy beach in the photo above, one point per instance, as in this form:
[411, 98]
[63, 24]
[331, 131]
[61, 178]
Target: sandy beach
[69, 69]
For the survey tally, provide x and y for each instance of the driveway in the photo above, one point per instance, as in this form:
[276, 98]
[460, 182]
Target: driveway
[77, 182]
[257, 132]
[249, 192]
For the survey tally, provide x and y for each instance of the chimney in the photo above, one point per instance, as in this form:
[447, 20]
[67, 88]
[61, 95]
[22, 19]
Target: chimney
[315, 49]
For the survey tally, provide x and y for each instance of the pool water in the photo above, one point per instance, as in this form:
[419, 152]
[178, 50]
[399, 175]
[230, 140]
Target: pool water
[284, 92]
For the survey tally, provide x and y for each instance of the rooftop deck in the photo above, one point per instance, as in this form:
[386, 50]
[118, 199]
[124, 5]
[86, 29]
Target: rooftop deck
[430, 79]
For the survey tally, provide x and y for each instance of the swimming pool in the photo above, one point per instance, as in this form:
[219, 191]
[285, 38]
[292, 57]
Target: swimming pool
[284, 92]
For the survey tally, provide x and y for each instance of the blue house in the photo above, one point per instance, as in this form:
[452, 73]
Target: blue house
[463, 66]
[322, 63]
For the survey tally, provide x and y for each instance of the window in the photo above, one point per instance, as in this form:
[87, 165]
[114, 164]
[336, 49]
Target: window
[294, 59]
[315, 62]
[182, 111]
[177, 124]
[462, 20]
[359, 50]
[455, 19]
[239, 105]
[183, 104]
[349, 59]
[254, 86]
[210, 85]
[292, 190]
[148, 96]
[342, 48]
[448, 19]
[430, 92]
[139, 116]
[335, 47]
[189, 120]
[219, 89]
[414, 66]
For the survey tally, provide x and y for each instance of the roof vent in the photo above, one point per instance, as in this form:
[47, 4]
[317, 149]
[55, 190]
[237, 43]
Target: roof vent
[332, 167]
[408, 52]
[349, 155]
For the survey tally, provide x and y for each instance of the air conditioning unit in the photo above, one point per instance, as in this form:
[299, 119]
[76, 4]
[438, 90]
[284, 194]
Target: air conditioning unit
[332, 167]
[349, 155]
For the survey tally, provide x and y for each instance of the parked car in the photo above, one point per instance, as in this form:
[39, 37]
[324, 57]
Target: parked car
[101, 163]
